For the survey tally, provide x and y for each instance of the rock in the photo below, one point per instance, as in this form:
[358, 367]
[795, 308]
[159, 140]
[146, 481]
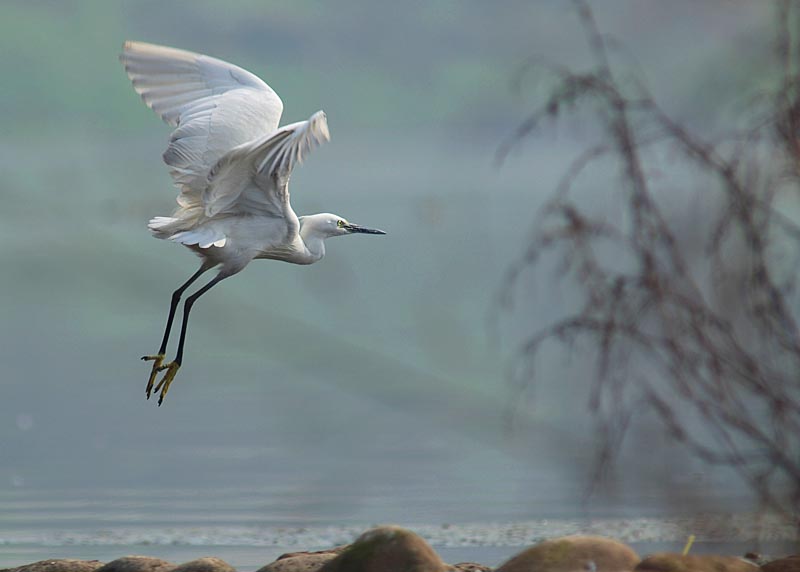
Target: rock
[387, 549]
[60, 565]
[669, 562]
[574, 554]
[137, 564]
[207, 564]
[471, 567]
[335, 550]
[300, 562]
[756, 558]
[788, 564]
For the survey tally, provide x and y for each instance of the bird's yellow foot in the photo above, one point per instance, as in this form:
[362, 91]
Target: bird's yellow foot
[163, 385]
[157, 360]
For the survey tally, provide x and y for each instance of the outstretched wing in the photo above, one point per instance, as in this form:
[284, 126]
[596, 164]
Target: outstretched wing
[215, 107]
[254, 177]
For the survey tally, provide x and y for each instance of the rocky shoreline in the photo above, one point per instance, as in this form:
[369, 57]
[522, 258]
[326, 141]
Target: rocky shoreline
[396, 549]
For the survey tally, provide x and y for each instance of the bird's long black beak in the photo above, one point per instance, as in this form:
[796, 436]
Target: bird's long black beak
[362, 229]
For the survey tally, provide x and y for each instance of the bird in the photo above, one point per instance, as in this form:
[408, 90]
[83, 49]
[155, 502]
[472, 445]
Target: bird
[231, 164]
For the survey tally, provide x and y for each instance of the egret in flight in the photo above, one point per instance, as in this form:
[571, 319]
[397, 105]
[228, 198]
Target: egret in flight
[232, 164]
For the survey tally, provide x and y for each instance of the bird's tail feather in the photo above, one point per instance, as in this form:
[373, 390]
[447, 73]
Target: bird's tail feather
[185, 217]
[175, 229]
[163, 226]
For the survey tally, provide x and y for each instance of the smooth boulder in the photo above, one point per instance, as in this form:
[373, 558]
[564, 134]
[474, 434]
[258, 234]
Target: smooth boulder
[788, 564]
[207, 564]
[60, 565]
[574, 554]
[471, 567]
[387, 549]
[301, 561]
[137, 564]
[673, 562]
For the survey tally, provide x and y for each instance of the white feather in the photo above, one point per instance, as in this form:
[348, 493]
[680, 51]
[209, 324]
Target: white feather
[254, 177]
[204, 237]
[228, 157]
[215, 106]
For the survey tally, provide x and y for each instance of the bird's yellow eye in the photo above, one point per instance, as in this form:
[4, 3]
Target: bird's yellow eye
[340, 223]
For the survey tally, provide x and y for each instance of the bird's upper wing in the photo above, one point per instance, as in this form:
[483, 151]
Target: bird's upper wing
[215, 107]
[254, 177]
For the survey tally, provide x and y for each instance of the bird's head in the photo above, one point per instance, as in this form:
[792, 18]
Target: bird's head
[326, 225]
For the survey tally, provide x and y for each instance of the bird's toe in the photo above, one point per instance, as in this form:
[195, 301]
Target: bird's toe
[163, 386]
[157, 361]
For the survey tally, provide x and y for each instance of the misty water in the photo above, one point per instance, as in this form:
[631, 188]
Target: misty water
[316, 401]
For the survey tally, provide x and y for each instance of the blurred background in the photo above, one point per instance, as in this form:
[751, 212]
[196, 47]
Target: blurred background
[367, 388]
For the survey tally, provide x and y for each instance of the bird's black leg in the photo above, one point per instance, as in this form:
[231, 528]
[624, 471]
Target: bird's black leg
[173, 366]
[158, 359]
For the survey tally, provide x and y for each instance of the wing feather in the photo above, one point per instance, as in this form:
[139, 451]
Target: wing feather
[226, 153]
[215, 107]
[255, 175]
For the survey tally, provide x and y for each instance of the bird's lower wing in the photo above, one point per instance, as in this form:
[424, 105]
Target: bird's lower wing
[254, 177]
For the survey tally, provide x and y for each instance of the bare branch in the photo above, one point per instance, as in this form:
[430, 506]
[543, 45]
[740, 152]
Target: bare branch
[704, 333]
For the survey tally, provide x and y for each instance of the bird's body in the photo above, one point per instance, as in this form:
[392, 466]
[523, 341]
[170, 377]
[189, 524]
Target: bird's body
[232, 164]
[252, 237]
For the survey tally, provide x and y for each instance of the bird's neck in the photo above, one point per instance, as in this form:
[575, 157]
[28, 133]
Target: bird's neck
[314, 243]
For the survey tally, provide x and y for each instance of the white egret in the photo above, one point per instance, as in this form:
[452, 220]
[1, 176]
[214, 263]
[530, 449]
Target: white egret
[232, 165]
